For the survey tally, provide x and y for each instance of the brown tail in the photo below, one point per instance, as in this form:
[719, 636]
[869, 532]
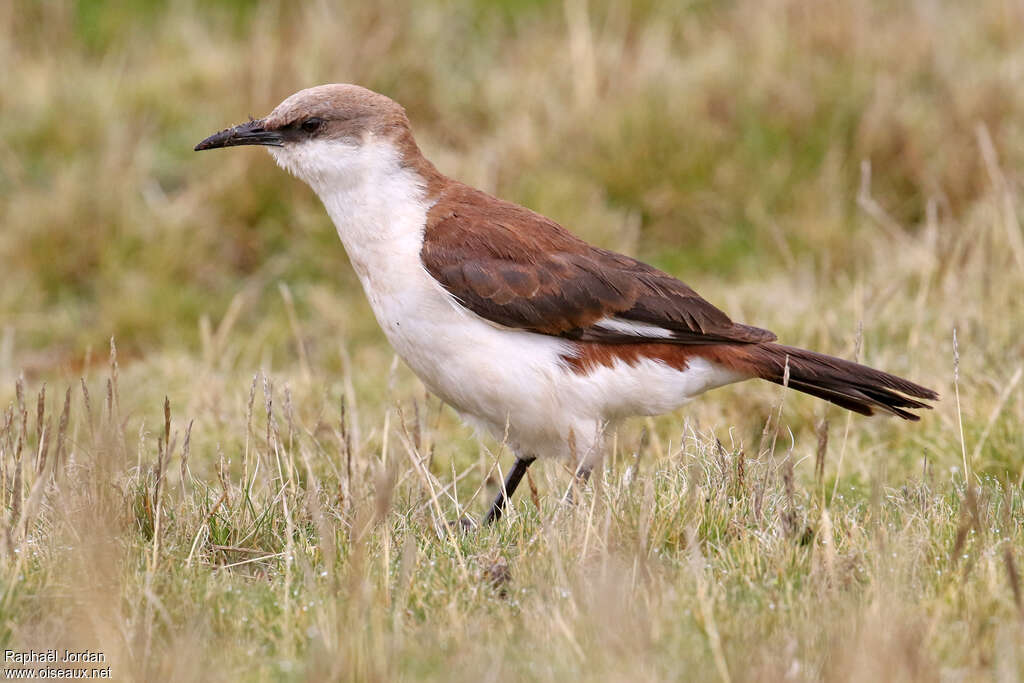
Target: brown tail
[850, 385]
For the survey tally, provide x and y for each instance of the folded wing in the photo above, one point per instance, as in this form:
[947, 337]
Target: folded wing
[519, 269]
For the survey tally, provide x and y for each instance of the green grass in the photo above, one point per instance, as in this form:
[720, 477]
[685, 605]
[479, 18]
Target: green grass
[297, 535]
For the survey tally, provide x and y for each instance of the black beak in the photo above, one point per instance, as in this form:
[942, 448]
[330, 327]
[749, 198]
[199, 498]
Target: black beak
[251, 133]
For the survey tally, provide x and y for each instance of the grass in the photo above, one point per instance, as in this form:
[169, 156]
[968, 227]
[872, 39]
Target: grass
[845, 174]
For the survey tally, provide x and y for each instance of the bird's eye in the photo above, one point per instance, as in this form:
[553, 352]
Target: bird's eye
[312, 125]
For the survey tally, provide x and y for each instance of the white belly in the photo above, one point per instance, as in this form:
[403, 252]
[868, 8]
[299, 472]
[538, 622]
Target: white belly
[494, 377]
[516, 382]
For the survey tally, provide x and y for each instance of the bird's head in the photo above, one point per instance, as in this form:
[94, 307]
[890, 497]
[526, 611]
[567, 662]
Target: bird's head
[330, 135]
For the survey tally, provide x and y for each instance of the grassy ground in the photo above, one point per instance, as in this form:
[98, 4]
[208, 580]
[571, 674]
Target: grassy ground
[846, 174]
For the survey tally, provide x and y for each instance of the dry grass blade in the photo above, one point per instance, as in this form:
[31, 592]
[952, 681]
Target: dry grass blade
[819, 455]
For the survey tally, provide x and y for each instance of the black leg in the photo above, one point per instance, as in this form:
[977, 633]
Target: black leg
[515, 475]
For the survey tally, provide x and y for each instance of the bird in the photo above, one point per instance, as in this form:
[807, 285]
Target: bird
[530, 333]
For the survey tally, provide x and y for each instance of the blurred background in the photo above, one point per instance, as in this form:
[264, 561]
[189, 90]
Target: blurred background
[809, 167]
[847, 174]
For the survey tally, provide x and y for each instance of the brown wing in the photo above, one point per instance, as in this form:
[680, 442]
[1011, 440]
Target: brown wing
[519, 269]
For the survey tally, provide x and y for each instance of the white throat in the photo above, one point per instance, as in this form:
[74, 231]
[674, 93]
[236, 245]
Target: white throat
[380, 209]
[377, 204]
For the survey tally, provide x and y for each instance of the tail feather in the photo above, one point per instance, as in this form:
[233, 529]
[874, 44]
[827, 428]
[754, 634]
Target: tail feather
[849, 385]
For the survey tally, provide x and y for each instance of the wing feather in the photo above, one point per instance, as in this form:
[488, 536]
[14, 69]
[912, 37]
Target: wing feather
[519, 269]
